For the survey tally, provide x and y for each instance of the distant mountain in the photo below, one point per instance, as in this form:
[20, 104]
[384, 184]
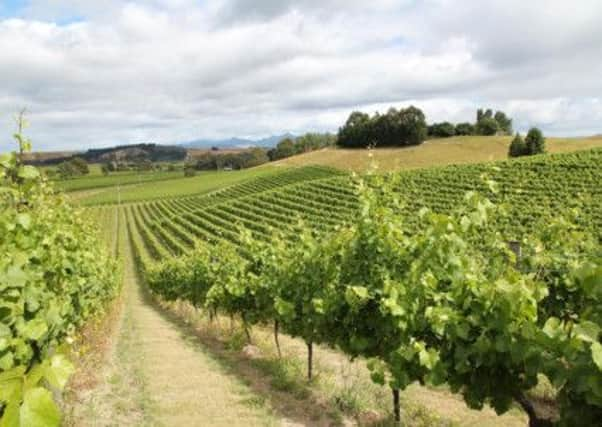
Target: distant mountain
[234, 142]
[120, 153]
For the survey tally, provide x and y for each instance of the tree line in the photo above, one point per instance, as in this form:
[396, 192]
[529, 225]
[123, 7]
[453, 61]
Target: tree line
[216, 161]
[408, 126]
[301, 144]
[403, 127]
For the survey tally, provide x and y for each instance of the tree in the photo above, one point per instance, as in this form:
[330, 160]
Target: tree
[484, 114]
[442, 130]
[413, 128]
[66, 170]
[313, 141]
[253, 157]
[465, 129]
[189, 170]
[355, 132]
[73, 167]
[504, 122]
[536, 143]
[487, 126]
[518, 147]
[479, 115]
[104, 168]
[80, 165]
[284, 148]
[406, 126]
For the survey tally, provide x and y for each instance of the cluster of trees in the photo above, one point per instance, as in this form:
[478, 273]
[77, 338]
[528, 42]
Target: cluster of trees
[72, 168]
[487, 123]
[451, 303]
[141, 165]
[54, 275]
[301, 144]
[534, 143]
[242, 160]
[406, 126]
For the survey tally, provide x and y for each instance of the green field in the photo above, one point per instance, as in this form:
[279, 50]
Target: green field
[159, 186]
[115, 179]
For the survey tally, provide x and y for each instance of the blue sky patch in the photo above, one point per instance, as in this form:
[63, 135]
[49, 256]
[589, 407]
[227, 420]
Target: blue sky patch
[12, 8]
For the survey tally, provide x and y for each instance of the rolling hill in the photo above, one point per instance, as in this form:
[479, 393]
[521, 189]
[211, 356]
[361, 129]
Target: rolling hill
[436, 152]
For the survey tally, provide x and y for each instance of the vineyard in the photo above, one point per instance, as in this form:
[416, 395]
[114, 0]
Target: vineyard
[54, 277]
[410, 271]
[267, 256]
[325, 198]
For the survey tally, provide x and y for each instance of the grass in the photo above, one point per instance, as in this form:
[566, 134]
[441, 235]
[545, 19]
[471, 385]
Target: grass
[114, 179]
[203, 182]
[341, 390]
[437, 152]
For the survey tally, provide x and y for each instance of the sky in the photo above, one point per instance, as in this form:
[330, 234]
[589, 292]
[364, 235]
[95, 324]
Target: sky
[99, 73]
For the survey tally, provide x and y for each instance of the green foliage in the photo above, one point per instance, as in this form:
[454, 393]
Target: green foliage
[406, 126]
[238, 286]
[53, 275]
[301, 144]
[442, 130]
[80, 165]
[303, 284]
[242, 160]
[434, 296]
[284, 149]
[486, 126]
[73, 168]
[189, 170]
[484, 114]
[504, 122]
[356, 132]
[465, 129]
[536, 143]
[517, 146]
[313, 141]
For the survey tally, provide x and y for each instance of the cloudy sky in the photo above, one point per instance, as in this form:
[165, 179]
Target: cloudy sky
[98, 73]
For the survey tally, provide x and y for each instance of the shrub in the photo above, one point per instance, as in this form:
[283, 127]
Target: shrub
[536, 143]
[518, 147]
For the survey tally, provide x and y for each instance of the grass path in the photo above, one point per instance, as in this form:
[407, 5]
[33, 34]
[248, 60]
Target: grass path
[155, 375]
[186, 385]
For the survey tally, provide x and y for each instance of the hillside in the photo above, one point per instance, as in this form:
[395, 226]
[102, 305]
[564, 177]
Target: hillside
[437, 152]
[324, 199]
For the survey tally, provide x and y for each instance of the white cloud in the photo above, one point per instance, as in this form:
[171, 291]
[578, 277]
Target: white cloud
[172, 70]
